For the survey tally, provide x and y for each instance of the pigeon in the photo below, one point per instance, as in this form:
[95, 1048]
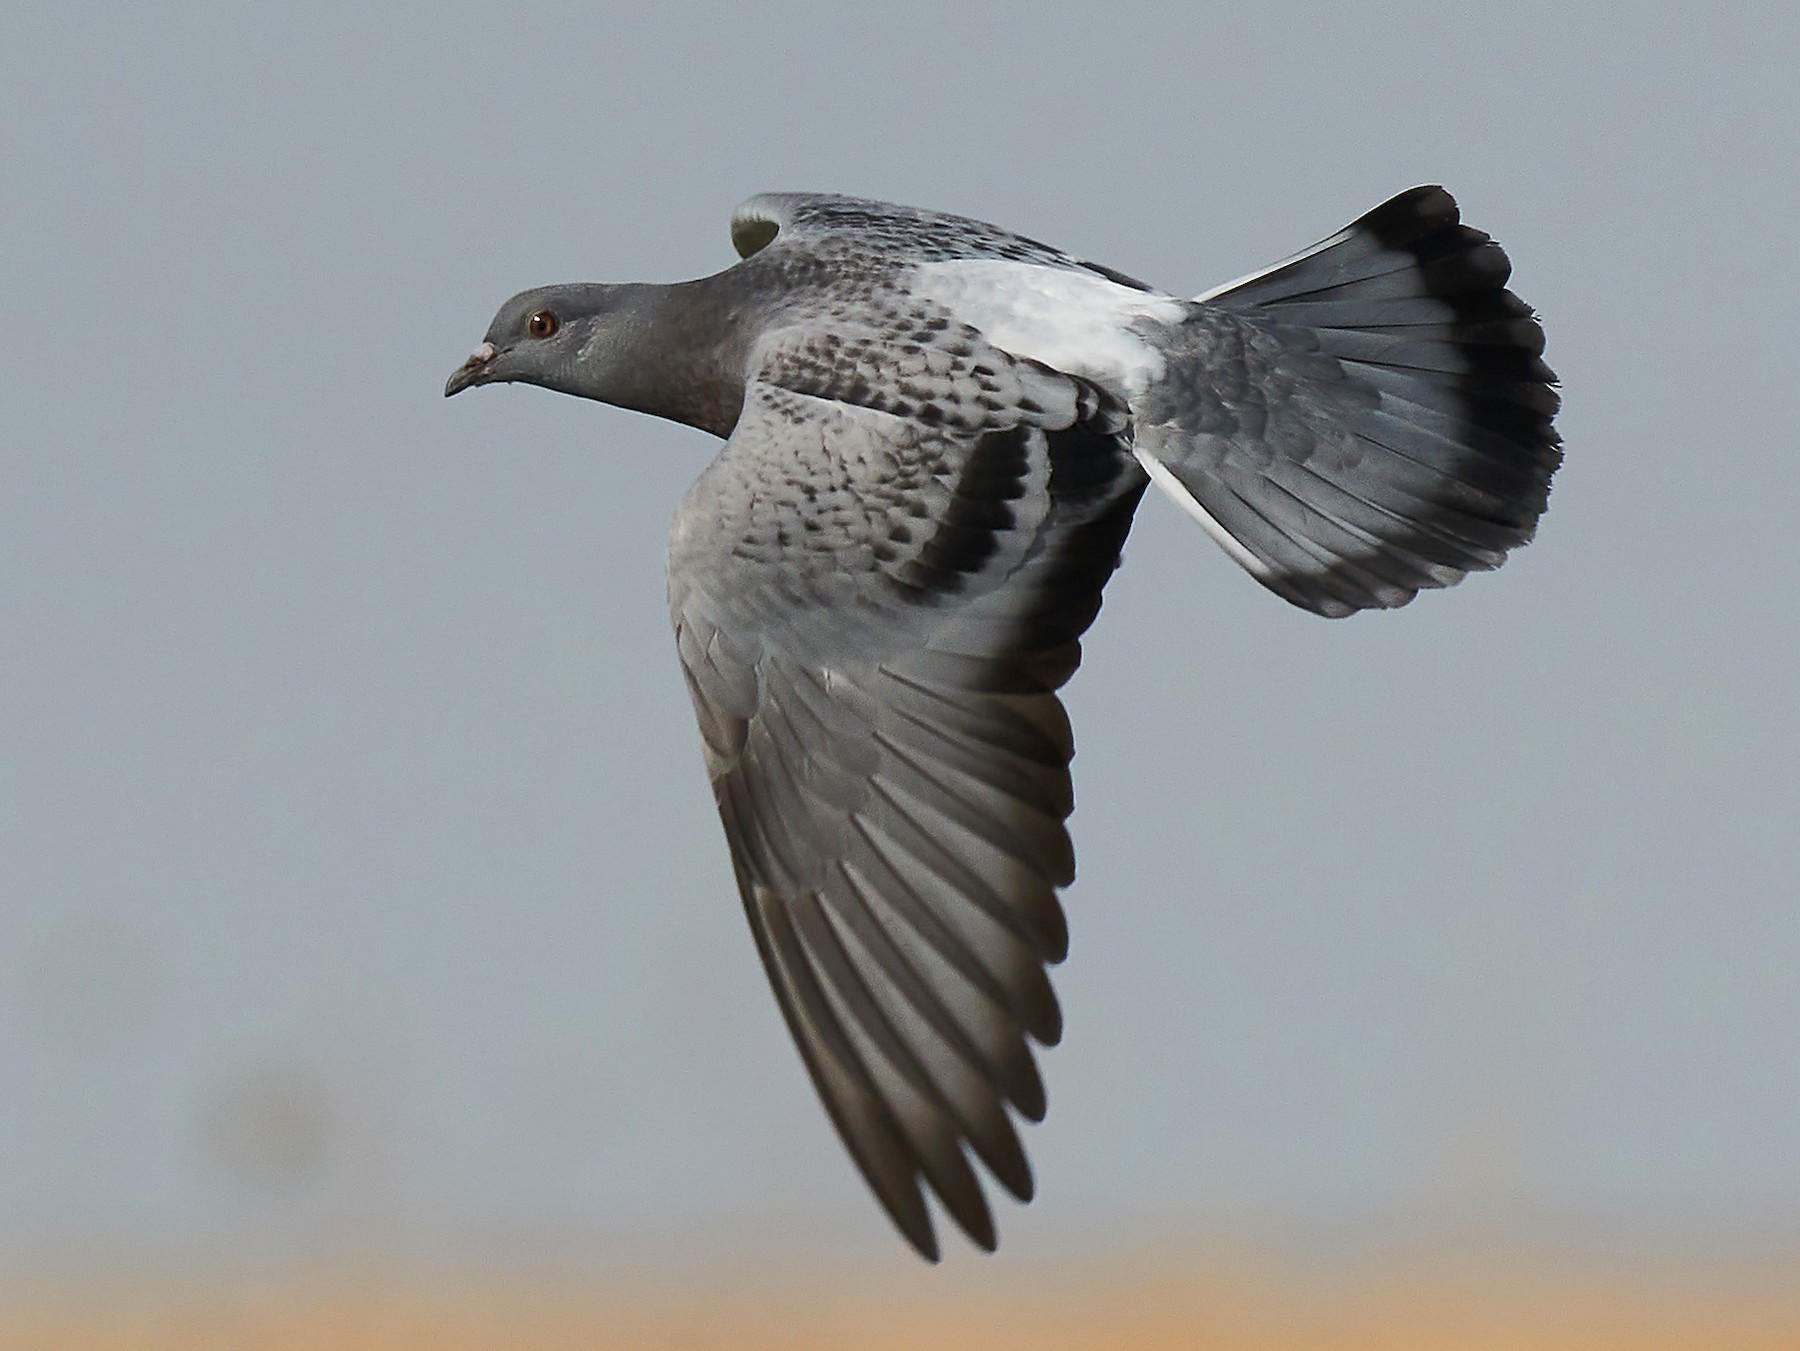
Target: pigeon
[936, 435]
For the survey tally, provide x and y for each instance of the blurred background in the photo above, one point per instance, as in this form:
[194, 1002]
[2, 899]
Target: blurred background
[370, 964]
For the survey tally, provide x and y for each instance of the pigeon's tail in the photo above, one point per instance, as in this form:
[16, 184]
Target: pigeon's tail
[1370, 418]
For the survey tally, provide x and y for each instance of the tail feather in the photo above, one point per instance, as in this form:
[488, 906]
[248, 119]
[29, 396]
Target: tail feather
[1368, 419]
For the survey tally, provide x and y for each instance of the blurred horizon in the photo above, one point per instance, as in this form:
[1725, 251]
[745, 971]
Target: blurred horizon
[1150, 1296]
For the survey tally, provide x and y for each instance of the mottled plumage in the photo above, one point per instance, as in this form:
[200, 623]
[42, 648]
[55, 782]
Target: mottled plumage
[938, 433]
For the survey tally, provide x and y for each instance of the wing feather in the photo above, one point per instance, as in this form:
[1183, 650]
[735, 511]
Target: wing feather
[876, 695]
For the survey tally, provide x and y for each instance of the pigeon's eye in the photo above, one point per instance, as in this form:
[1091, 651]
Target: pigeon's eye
[541, 324]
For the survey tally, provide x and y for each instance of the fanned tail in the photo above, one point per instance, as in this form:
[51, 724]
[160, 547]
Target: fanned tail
[1365, 420]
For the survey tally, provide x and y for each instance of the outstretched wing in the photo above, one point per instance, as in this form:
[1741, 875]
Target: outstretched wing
[874, 609]
[1368, 419]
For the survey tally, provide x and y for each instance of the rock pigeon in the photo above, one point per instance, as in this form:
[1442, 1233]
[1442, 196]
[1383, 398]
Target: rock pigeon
[936, 433]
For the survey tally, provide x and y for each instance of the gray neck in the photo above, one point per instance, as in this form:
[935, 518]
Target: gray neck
[678, 352]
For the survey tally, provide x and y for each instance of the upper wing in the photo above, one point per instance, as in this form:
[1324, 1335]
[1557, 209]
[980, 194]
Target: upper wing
[1368, 419]
[819, 219]
[873, 613]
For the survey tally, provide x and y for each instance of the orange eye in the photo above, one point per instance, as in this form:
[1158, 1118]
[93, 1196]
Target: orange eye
[541, 324]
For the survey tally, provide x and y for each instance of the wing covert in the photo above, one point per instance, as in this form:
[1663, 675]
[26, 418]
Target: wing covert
[821, 220]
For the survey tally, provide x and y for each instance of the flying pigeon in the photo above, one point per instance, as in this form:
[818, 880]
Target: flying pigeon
[936, 433]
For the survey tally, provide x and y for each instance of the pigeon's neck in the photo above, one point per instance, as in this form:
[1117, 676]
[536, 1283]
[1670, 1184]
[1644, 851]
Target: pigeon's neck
[681, 355]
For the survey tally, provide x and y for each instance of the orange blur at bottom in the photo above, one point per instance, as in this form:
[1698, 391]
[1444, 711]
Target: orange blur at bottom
[1243, 1310]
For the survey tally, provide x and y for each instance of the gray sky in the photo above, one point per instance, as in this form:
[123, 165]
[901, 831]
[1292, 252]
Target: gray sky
[359, 881]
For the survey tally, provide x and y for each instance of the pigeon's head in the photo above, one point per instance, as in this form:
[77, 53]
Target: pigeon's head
[567, 338]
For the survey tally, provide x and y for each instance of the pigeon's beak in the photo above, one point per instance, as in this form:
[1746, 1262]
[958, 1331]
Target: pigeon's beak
[474, 371]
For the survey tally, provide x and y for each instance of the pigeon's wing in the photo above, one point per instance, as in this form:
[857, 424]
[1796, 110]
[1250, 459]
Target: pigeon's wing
[824, 222]
[1368, 419]
[874, 611]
